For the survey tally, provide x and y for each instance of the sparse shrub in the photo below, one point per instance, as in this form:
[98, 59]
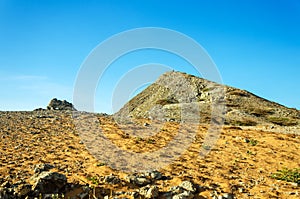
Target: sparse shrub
[260, 112]
[244, 122]
[138, 140]
[94, 180]
[282, 121]
[166, 101]
[100, 164]
[240, 93]
[253, 142]
[206, 147]
[288, 175]
[150, 141]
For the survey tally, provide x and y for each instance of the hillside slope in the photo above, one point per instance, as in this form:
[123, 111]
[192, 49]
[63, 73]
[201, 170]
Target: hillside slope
[179, 96]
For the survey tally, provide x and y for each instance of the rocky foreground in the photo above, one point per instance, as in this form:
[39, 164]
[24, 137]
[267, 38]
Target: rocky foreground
[42, 156]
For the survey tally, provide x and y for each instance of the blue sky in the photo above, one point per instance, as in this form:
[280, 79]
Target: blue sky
[255, 45]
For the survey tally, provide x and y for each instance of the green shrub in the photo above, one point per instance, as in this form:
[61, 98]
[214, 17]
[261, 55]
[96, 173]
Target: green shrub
[94, 180]
[288, 175]
[253, 142]
[150, 141]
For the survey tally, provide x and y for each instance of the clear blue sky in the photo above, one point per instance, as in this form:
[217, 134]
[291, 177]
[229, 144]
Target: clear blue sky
[254, 43]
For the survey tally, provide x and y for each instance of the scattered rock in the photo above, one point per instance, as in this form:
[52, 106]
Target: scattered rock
[176, 190]
[146, 124]
[155, 175]
[140, 180]
[184, 195]
[149, 191]
[187, 185]
[226, 196]
[39, 168]
[22, 190]
[112, 179]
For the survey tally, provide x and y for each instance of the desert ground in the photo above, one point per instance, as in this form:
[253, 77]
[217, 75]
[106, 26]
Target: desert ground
[239, 165]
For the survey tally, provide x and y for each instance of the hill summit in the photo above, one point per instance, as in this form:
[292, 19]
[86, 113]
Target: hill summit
[177, 96]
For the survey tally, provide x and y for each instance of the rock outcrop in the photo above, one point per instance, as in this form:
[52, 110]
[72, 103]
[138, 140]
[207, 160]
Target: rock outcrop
[56, 104]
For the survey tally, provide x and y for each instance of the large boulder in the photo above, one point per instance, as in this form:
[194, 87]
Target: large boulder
[49, 182]
[56, 104]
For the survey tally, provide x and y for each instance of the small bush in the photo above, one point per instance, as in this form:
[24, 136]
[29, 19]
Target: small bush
[100, 164]
[150, 141]
[206, 147]
[288, 175]
[240, 93]
[260, 112]
[245, 122]
[166, 101]
[94, 180]
[253, 142]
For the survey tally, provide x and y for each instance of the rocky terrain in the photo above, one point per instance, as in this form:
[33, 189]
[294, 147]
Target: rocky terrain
[42, 155]
[50, 153]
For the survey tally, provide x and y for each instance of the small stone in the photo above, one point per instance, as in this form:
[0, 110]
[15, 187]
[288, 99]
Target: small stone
[22, 190]
[246, 140]
[187, 185]
[184, 195]
[134, 194]
[149, 191]
[146, 124]
[112, 179]
[137, 180]
[176, 190]
[120, 192]
[39, 168]
[142, 181]
[6, 184]
[294, 184]
[156, 175]
[227, 196]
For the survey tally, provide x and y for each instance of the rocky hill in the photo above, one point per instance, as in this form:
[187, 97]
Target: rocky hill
[179, 96]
